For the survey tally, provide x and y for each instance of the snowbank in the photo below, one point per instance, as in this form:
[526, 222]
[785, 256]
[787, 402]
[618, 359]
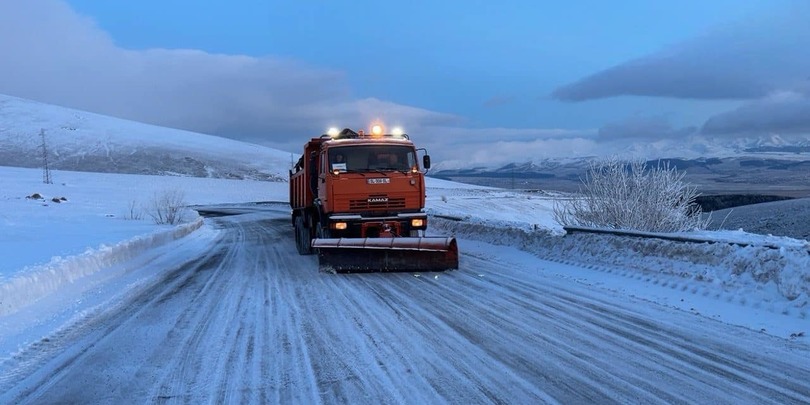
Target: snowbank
[746, 274]
[35, 282]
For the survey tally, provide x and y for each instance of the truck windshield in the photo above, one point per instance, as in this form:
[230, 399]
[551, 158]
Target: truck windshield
[372, 158]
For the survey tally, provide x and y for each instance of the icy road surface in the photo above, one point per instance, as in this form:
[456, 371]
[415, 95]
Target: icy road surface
[250, 321]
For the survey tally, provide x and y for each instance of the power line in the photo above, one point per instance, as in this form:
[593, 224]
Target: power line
[46, 170]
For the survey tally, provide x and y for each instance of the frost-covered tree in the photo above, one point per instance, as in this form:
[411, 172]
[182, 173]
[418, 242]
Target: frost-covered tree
[618, 194]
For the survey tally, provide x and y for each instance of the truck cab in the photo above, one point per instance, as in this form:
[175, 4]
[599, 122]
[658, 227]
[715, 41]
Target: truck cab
[359, 201]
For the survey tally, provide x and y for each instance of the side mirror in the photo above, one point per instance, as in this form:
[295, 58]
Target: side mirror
[426, 161]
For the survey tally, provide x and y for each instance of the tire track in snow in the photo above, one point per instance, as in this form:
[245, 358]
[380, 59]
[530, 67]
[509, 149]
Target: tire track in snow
[584, 329]
[68, 351]
[770, 379]
[230, 316]
[194, 331]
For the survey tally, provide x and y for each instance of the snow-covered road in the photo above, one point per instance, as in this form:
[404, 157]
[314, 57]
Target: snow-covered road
[247, 320]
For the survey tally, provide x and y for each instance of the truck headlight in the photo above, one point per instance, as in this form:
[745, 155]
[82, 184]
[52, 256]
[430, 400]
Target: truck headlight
[417, 222]
[339, 225]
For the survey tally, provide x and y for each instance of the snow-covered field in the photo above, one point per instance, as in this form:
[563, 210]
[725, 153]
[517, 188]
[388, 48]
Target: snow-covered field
[80, 244]
[783, 218]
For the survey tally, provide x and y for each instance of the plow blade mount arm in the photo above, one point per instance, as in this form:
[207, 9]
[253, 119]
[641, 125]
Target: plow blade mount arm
[387, 254]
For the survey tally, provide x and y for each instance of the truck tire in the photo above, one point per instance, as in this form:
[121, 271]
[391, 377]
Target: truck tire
[323, 232]
[303, 237]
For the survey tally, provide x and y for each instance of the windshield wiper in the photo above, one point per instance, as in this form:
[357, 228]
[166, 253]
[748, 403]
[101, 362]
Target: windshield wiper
[392, 169]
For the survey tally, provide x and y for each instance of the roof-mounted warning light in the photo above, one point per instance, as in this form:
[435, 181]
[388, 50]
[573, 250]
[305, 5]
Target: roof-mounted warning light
[377, 131]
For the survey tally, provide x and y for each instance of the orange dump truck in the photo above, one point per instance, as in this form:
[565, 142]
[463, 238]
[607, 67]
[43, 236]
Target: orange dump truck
[358, 201]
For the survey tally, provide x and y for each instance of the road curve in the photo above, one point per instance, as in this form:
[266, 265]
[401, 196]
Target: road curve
[251, 321]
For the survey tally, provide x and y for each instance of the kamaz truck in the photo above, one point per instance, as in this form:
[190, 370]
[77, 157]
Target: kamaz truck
[358, 201]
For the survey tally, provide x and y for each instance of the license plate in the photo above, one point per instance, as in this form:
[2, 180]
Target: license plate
[379, 180]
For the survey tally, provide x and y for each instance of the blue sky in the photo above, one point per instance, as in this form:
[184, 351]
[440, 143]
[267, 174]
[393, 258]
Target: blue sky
[493, 64]
[528, 76]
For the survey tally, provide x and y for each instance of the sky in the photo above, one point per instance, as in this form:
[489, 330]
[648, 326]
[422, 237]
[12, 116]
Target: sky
[474, 81]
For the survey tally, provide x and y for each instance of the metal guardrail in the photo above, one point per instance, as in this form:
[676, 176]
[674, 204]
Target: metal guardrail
[675, 238]
[649, 235]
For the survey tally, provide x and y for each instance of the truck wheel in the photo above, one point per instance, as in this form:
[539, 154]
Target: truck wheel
[323, 232]
[303, 237]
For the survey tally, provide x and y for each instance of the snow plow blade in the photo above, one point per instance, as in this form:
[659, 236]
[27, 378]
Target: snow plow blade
[387, 254]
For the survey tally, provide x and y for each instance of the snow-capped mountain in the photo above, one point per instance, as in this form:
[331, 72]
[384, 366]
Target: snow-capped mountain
[698, 146]
[776, 144]
[83, 141]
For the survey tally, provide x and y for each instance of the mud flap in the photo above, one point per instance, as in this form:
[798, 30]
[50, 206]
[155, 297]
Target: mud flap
[387, 254]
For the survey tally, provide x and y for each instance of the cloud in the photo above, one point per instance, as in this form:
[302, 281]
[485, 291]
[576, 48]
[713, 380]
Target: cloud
[503, 152]
[461, 147]
[53, 54]
[489, 135]
[747, 60]
[642, 128]
[782, 112]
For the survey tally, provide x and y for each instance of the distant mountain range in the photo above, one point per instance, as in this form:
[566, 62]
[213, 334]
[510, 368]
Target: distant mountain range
[783, 173]
[83, 141]
[779, 149]
[769, 164]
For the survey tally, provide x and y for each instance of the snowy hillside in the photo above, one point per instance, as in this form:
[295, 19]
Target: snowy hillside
[83, 141]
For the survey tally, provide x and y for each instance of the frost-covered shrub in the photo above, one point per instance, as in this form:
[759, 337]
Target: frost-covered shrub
[167, 207]
[134, 212]
[617, 194]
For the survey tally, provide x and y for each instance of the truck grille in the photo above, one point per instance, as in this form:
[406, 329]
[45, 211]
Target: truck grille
[377, 202]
